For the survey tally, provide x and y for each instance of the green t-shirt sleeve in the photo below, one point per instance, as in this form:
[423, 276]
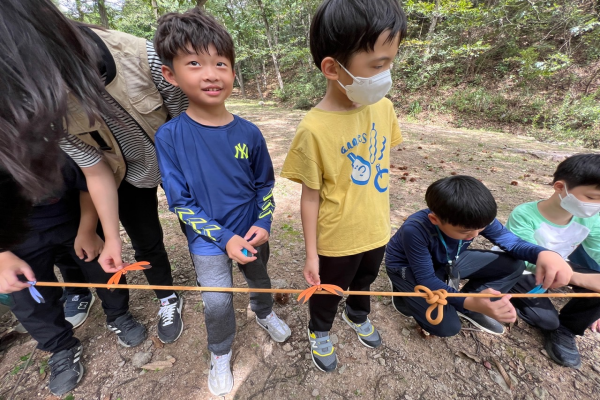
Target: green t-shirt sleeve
[523, 224]
[591, 244]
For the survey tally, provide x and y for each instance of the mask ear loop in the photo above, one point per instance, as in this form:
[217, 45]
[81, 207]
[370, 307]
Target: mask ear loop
[348, 72]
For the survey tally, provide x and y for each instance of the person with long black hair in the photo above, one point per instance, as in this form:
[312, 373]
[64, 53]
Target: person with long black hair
[100, 96]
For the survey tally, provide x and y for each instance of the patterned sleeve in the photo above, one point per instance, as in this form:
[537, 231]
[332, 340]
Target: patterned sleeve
[174, 99]
[83, 154]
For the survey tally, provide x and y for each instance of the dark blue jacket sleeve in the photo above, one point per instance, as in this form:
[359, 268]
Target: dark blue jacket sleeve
[511, 243]
[264, 181]
[416, 247]
[181, 201]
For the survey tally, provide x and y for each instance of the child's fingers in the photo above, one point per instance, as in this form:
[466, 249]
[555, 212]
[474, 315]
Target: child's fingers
[28, 272]
[79, 252]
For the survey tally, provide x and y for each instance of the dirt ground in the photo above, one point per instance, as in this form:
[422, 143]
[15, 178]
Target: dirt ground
[407, 366]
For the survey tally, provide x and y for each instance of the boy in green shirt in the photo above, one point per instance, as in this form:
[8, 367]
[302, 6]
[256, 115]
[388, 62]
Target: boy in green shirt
[569, 224]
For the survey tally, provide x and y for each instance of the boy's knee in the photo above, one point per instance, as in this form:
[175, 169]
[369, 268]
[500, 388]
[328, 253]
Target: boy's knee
[450, 326]
[217, 303]
[544, 319]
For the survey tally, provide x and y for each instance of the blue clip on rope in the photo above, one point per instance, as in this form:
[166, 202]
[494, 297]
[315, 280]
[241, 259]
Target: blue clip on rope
[537, 290]
[34, 292]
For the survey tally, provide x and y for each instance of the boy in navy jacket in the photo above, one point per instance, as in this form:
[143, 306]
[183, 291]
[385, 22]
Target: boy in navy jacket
[218, 178]
[430, 249]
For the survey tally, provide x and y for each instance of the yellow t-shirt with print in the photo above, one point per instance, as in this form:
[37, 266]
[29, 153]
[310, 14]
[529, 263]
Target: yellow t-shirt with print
[346, 156]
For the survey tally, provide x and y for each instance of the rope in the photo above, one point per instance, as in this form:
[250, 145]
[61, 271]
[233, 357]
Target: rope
[436, 299]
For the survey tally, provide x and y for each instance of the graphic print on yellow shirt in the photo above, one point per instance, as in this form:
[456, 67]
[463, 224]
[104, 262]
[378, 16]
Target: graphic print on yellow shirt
[346, 156]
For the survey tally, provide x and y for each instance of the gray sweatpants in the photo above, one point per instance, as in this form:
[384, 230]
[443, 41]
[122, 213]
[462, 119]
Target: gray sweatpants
[219, 315]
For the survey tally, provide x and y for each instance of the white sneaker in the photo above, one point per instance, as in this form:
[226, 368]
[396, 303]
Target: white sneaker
[278, 329]
[220, 378]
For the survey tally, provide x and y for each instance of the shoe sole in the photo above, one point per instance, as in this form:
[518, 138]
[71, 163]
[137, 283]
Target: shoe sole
[347, 320]
[122, 343]
[86, 314]
[481, 327]
[222, 393]
[394, 305]
[180, 331]
[275, 340]
[312, 356]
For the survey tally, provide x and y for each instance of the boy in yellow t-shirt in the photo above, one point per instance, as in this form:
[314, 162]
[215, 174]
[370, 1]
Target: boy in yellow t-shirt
[341, 155]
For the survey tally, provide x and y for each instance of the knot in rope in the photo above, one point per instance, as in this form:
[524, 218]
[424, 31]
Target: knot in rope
[435, 299]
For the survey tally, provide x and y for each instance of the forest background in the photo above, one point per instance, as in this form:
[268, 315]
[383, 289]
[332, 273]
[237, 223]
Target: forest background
[521, 66]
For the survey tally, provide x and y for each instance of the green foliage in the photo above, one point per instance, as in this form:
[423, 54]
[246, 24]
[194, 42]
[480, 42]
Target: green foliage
[523, 62]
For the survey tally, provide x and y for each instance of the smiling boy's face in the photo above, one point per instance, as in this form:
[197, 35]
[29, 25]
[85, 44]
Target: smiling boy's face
[206, 78]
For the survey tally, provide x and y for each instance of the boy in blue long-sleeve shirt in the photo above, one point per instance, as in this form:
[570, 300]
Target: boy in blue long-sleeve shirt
[430, 249]
[218, 178]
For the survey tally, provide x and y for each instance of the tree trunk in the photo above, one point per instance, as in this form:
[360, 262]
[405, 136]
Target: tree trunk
[200, 3]
[269, 42]
[434, 19]
[258, 87]
[155, 9]
[103, 14]
[240, 78]
[80, 14]
[264, 73]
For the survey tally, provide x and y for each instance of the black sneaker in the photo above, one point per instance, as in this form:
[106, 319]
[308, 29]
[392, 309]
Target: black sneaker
[561, 347]
[170, 325]
[77, 308]
[399, 303]
[65, 370]
[483, 322]
[130, 332]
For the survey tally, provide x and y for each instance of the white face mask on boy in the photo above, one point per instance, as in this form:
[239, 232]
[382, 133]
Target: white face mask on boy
[367, 91]
[577, 207]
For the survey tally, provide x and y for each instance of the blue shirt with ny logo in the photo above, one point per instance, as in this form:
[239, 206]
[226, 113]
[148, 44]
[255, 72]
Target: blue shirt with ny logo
[218, 180]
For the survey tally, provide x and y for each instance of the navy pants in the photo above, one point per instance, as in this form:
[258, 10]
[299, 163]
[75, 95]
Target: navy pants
[46, 321]
[577, 315]
[484, 269]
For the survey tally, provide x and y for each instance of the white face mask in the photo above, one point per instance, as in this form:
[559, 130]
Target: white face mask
[367, 91]
[577, 207]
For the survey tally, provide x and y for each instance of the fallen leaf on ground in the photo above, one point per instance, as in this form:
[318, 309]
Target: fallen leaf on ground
[157, 343]
[282, 298]
[503, 373]
[514, 183]
[153, 366]
[470, 356]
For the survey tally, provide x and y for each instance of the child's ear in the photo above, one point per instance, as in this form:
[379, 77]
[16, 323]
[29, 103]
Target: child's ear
[169, 75]
[330, 69]
[434, 219]
[559, 186]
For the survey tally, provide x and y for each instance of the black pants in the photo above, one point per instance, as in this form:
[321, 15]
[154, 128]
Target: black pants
[72, 273]
[46, 322]
[484, 269]
[138, 212]
[577, 315]
[356, 272]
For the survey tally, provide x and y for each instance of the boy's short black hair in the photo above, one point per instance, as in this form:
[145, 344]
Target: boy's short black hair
[579, 170]
[341, 28]
[462, 201]
[196, 29]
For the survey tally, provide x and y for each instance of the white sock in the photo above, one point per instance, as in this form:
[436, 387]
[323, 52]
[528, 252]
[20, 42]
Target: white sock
[165, 300]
